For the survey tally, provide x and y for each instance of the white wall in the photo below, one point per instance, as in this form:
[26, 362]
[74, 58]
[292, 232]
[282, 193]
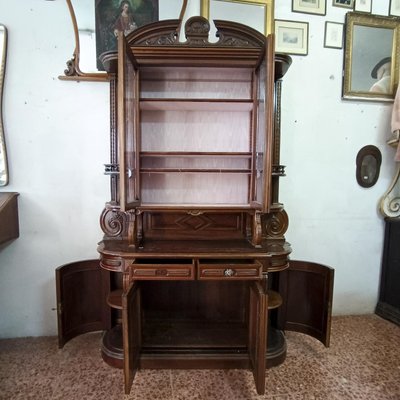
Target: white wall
[332, 220]
[57, 138]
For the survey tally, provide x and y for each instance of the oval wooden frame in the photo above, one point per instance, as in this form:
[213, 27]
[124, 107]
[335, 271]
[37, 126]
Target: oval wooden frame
[373, 151]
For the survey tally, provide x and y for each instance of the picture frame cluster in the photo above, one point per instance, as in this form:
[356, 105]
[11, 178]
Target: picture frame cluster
[292, 36]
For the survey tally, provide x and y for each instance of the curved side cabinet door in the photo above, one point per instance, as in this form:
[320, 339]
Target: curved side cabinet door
[307, 291]
[81, 299]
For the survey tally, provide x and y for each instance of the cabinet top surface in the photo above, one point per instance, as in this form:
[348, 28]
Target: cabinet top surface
[196, 249]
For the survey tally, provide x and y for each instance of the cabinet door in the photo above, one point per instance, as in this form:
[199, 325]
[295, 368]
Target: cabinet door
[264, 129]
[128, 126]
[131, 325]
[81, 299]
[307, 290]
[258, 334]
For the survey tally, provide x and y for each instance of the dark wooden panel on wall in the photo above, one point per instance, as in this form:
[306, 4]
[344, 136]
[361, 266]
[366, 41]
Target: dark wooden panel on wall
[9, 226]
[389, 295]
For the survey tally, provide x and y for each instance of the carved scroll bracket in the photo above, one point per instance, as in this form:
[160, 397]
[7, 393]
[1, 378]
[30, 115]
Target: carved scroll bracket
[275, 224]
[112, 221]
[389, 205]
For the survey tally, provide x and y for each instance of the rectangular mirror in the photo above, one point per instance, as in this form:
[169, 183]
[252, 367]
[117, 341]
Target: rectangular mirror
[259, 14]
[371, 57]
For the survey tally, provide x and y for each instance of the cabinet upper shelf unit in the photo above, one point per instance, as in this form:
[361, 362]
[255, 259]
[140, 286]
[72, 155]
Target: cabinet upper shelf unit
[194, 118]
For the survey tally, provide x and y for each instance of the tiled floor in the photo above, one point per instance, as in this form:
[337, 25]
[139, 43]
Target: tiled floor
[363, 362]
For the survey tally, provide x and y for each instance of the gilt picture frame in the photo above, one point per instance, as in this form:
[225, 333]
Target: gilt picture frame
[371, 57]
[259, 14]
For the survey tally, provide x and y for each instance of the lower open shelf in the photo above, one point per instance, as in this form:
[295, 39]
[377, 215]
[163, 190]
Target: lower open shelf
[161, 350]
[161, 335]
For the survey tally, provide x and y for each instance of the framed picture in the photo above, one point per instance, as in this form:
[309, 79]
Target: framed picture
[259, 14]
[363, 6]
[291, 37]
[333, 35]
[343, 3]
[309, 6]
[371, 57]
[116, 15]
[394, 8]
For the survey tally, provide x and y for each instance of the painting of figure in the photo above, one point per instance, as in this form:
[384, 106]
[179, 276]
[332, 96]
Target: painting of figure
[113, 16]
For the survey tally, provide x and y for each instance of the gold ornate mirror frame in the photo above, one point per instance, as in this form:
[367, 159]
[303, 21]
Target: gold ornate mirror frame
[3, 153]
[371, 57]
[73, 71]
[268, 5]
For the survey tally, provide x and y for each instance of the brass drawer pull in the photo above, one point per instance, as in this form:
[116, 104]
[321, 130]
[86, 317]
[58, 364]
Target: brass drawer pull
[229, 272]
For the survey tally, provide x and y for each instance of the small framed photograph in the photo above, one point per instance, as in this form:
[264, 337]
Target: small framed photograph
[394, 8]
[343, 3]
[291, 37]
[309, 6]
[363, 6]
[333, 35]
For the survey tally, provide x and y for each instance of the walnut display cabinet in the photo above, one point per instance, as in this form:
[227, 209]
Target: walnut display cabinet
[194, 268]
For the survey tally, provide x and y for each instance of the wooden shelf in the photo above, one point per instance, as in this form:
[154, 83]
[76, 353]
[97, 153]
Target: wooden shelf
[150, 104]
[188, 154]
[194, 171]
[114, 299]
[199, 334]
[274, 300]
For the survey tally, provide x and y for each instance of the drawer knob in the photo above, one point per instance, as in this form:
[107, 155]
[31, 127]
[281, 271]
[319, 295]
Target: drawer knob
[161, 272]
[229, 272]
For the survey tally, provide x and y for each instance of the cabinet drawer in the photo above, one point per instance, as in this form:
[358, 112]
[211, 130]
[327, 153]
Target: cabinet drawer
[161, 271]
[229, 270]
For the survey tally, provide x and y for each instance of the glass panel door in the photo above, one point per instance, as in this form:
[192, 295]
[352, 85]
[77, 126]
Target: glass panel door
[128, 126]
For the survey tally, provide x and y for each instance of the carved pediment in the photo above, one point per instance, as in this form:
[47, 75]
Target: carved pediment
[197, 31]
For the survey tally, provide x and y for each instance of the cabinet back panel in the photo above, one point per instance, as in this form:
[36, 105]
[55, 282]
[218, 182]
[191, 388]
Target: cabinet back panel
[194, 300]
[204, 83]
[195, 131]
[196, 162]
[194, 188]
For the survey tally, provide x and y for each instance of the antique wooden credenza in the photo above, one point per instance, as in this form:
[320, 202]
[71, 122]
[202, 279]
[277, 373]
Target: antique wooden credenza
[194, 267]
